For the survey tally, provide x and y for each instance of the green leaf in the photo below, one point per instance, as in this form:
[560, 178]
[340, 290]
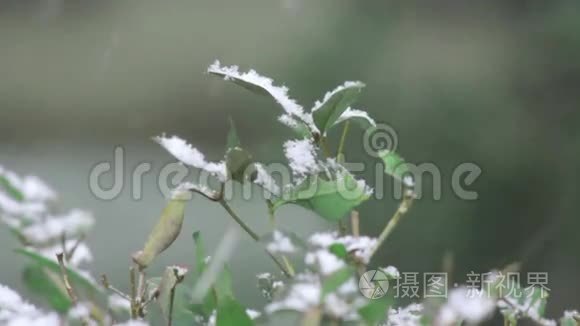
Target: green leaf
[47, 284]
[331, 199]
[358, 117]
[233, 139]
[339, 250]
[78, 280]
[334, 104]
[336, 279]
[10, 189]
[395, 166]
[231, 313]
[376, 310]
[568, 320]
[237, 162]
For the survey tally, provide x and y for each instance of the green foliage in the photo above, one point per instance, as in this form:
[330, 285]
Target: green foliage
[75, 277]
[47, 284]
[334, 106]
[333, 281]
[332, 199]
[394, 165]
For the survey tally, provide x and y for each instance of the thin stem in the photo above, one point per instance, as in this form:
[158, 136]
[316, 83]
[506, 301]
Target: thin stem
[401, 211]
[339, 154]
[324, 147]
[171, 299]
[108, 286]
[354, 223]
[133, 283]
[253, 235]
[238, 220]
[65, 280]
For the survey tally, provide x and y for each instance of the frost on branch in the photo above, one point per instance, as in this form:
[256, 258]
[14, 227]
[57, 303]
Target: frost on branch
[191, 156]
[252, 80]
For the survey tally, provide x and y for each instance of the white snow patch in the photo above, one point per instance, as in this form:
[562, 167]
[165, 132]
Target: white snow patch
[118, 303]
[280, 243]
[302, 156]
[405, 316]
[264, 180]
[324, 261]
[354, 113]
[461, 305]
[279, 93]
[74, 223]
[191, 156]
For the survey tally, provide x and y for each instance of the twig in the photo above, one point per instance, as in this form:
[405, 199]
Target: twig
[253, 235]
[239, 221]
[108, 286]
[70, 253]
[133, 283]
[65, 280]
[355, 222]
[339, 154]
[171, 299]
[401, 211]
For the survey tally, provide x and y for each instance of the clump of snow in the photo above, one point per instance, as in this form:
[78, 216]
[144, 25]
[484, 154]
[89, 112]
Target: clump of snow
[302, 156]
[118, 303]
[14, 311]
[279, 93]
[392, 272]
[180, 271]
[405, 316]
[280, 244]
[81, 310]
[324, 261]
[253, 314]
[361, 246]
[463, 306]
[350, 113]
[264, 180]
[302, 295]
[31, 187]
[74, 223]
[191, 156]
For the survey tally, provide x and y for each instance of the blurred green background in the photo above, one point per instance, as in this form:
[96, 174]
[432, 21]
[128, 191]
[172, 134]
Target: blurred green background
[493, 82]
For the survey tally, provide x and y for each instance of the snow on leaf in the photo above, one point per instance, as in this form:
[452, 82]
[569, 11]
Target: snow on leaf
[301, 155]
[264, 180]
[326, 112]
[360, 117]
[262, 85]
[190, 155]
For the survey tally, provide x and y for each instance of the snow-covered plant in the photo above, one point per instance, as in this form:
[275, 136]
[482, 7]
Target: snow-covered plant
[326, 290]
